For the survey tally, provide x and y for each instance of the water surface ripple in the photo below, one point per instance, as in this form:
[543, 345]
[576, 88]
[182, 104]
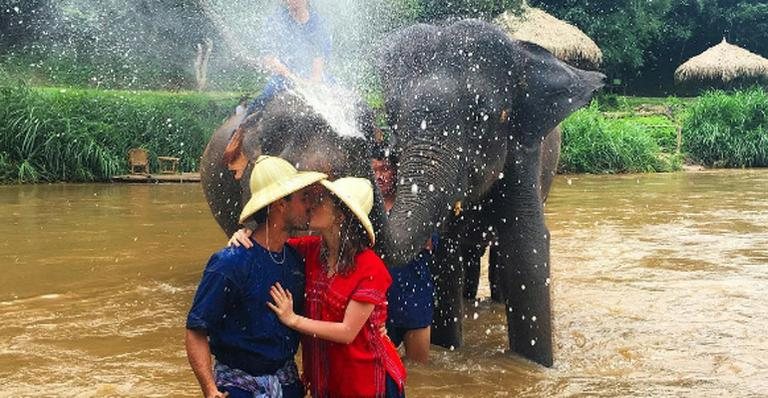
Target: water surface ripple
[658, 289]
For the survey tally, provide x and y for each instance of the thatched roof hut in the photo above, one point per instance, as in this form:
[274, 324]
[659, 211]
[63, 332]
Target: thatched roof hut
[563, 40]
[723, 62]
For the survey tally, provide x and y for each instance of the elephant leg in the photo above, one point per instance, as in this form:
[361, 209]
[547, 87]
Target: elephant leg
[448, 274]
[494, 274]
[523, 255]
[471, 255]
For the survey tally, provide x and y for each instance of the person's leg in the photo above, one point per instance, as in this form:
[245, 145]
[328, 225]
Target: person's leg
[416, 343]
[274, 85]
[395, 334]
[392, 390]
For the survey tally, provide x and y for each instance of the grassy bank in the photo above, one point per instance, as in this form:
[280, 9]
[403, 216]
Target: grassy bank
[728, 129]
[66, 134]
[52, 134]
[594, 143]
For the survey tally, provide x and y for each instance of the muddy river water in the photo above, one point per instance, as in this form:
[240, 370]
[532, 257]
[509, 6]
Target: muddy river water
[660, 288]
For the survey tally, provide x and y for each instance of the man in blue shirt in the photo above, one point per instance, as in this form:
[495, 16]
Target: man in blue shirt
[295, 45]
[229, 317]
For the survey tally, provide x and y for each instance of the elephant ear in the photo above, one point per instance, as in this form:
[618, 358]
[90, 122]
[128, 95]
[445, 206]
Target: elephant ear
[549, 90]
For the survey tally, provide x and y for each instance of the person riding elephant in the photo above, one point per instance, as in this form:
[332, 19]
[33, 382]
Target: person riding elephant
[470, 108]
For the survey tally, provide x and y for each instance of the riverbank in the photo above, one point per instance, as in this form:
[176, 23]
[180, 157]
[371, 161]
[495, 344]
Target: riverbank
[69, 134]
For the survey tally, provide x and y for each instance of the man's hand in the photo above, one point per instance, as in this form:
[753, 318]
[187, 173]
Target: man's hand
[242, 237]
[217, 394]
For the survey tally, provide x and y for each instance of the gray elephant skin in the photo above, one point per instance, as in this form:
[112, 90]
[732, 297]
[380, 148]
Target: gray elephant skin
[471, 111]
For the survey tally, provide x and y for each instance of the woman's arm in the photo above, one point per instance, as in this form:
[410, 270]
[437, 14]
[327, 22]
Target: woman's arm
[344, 332]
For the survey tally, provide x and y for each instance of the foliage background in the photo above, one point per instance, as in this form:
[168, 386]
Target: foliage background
[55, 134]
[150, 44]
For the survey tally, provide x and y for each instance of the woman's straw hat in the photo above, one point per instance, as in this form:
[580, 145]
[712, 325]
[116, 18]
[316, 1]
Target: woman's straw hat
[357, 194]
[273, 178]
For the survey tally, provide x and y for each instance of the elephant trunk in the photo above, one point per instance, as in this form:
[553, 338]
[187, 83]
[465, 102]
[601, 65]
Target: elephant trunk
[426, 191]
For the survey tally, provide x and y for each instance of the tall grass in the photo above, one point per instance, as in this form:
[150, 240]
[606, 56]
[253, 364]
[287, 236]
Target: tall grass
[594, 144]
[83, 135]
[728, 129]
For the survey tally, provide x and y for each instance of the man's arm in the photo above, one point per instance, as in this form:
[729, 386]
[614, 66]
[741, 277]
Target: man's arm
[274, 65]
[199, 356]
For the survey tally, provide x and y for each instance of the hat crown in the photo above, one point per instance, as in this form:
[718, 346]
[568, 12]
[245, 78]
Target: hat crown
[356, 190]
[270, 170]
[357, 195]
[273, 178]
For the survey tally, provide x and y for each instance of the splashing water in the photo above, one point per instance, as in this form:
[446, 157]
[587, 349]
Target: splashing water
[335, 104]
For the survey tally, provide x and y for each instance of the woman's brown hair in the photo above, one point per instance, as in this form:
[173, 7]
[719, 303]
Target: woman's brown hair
[353, 240]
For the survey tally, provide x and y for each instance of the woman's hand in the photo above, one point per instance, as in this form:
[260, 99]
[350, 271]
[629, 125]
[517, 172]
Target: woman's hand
[283, 305]
[242, 237]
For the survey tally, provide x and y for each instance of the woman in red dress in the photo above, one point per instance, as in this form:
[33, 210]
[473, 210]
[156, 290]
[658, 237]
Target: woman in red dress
[345, 353]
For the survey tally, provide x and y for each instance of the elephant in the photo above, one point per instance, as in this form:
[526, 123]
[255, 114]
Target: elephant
[470, 108]
[466, 109]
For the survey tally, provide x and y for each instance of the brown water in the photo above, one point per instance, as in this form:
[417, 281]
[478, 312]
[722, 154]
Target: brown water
[659, 290]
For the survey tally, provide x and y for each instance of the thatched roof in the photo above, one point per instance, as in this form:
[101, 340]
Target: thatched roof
[724, 62]
[563, 40]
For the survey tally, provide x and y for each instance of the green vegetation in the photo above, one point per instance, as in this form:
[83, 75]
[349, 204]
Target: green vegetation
[89, 43]
[728, 129]
[593, 143]
[52, 134]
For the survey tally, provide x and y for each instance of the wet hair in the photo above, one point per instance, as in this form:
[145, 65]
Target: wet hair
[385, 152]
[353, 240]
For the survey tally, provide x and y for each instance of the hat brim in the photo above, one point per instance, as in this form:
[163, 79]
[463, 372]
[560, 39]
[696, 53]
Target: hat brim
[278, 190]
[361, 215]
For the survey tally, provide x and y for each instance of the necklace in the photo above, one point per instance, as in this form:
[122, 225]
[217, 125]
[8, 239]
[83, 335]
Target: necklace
[274, 260]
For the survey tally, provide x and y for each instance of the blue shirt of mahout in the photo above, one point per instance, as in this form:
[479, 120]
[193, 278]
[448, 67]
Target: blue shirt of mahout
[230, 305]
[296, 44]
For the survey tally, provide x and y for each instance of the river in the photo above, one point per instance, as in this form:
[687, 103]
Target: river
[659, 284]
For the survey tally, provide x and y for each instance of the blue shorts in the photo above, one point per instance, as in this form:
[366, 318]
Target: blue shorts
[410, 297]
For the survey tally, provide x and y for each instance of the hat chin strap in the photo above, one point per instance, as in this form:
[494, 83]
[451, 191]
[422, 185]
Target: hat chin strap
[268, 247]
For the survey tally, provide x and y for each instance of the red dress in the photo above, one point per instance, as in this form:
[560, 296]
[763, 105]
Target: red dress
[357, 369]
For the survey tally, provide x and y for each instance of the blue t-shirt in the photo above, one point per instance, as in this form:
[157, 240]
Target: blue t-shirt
[231, 307]
[296, 45]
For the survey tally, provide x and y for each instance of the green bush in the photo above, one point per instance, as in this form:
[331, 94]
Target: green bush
[83, 135]
[728, 129]
[594, 144]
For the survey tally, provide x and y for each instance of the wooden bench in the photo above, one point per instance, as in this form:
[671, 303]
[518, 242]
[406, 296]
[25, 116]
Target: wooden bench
[168, 164]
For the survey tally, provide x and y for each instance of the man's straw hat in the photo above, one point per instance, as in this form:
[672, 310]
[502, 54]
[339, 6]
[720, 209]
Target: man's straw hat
[273, 178]
[357, 195]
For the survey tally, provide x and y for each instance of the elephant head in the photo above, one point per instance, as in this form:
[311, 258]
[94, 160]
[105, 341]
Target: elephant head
[332, 136]
[471, 108]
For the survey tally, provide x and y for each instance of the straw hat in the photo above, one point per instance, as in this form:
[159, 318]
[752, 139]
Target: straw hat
[357, 194]
[273, 178]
